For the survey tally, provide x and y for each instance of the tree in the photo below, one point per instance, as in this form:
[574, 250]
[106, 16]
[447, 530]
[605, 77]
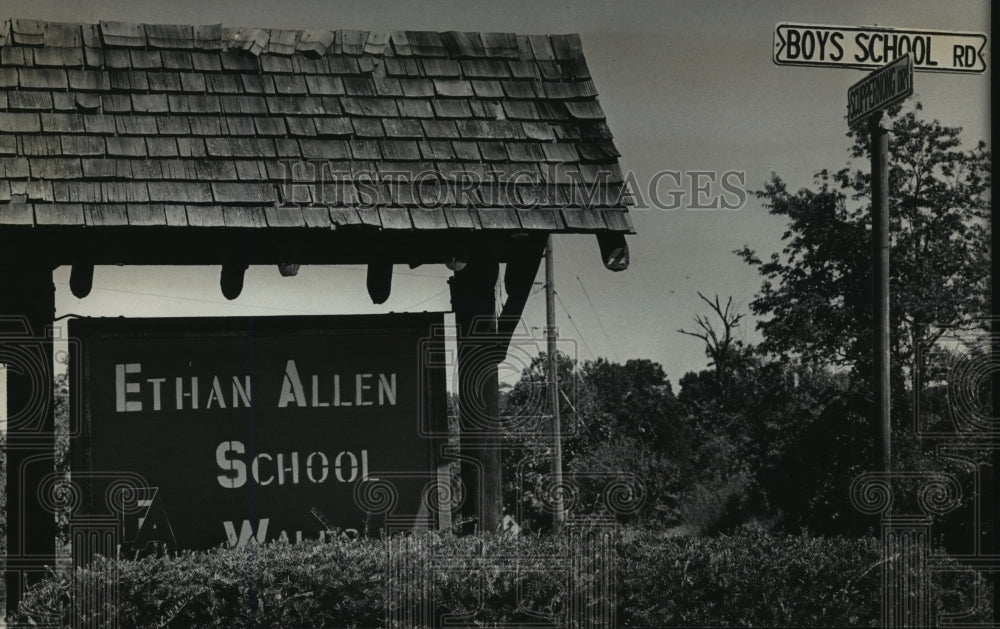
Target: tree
[779, 451]
[815, 300]
[618, 420]
[776, 439]
[635, 400]
[723, 351]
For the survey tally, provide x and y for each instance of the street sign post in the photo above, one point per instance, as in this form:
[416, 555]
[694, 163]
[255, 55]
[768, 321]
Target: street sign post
[880, 284]
[868, 47]
[866, 101]
[880, 90]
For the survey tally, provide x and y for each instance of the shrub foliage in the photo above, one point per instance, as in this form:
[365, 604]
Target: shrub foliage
[750, 579]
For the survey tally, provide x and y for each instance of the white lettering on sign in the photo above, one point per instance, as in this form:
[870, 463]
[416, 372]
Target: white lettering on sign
[156, 383]
[292, 469]
[144, 504]
[255, 469]
[338, 467]
[122, 388]
[246, 533]
[867, 47]
[387, 389]
[238, 478]
[283, 467]
[191, 394]
[216, 395]
[880, 89]
[368, 390]
[311, 466]
[291, 387]
[194, 393]
[360, 387]
[133, 394]
[259, 535]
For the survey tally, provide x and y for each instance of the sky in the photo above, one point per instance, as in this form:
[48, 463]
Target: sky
[686, 86]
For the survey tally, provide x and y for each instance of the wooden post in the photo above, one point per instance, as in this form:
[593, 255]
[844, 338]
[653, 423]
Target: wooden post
[27, 307]
[880, 284]
[479, 355]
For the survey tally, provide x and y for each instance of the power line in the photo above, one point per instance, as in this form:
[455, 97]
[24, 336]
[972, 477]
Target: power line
[194, 299]
[347, 267]
[597, 316]
[575, 327]
[579, 376]
[434, 296]
[599, 322]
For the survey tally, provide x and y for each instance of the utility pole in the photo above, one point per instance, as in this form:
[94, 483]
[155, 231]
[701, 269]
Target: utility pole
[880, 281]
[559, 515]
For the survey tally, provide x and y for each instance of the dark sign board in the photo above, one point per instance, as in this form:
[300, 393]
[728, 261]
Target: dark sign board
[222, 430]
[880, 90]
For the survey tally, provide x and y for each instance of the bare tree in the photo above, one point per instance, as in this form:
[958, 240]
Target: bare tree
[719, 343]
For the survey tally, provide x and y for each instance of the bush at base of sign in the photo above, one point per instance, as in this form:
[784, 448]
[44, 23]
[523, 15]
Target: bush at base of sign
[749, 579]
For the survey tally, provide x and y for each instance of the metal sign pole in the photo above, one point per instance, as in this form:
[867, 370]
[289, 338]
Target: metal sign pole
[880, 282]
[867, 100]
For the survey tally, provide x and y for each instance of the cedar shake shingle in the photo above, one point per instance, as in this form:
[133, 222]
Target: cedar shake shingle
[184, 126]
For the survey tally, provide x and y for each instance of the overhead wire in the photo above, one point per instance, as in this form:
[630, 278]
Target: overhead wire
[604, 330]
[593, 309]
[434, 296]
[575, 327]
[194, 299]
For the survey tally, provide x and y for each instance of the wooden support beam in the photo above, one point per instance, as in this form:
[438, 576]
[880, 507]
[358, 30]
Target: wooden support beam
[81, 280]
[216, 246]
[379, 281]
[479, 355]
[518, 280]
[27, 308]
[614, 250]
[231, 280]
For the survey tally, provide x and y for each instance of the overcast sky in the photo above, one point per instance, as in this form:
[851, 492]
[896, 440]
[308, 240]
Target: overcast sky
[685, 85]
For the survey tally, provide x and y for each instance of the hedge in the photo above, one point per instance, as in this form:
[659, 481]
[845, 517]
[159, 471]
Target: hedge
[750, 579]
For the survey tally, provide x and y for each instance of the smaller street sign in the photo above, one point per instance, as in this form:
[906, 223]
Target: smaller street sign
[869, 47]
[882, 88]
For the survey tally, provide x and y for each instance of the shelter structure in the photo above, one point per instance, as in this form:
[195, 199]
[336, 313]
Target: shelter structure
[232, 146]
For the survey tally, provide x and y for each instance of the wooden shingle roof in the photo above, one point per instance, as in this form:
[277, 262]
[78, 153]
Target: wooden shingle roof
[118, 124]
